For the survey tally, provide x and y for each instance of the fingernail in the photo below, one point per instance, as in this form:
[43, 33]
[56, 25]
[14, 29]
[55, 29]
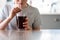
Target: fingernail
[23, 23]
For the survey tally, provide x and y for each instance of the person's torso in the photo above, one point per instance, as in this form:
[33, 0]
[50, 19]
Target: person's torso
[27, 11]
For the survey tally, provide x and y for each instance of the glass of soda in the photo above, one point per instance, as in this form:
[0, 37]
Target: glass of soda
[20, 19]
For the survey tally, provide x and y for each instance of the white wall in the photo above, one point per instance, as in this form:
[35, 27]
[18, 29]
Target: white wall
[47, 6]
[44, 6]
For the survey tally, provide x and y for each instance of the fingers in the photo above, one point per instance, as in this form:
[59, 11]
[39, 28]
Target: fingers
[26, 22]
[28, 28]
[26, 19]
[16, 10]
[25, 26]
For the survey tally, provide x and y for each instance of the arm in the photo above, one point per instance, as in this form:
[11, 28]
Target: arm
[4, 24]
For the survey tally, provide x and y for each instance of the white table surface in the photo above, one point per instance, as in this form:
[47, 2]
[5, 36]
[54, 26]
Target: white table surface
[30, 35]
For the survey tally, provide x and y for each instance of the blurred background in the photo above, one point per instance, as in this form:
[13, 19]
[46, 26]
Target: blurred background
[44, 6]
[49, 10]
